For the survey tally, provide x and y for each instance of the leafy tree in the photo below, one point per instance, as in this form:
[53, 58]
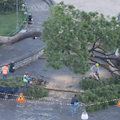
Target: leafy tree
[9, 5]
[68, 31]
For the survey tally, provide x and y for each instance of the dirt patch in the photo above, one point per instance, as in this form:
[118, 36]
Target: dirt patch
[64, 82]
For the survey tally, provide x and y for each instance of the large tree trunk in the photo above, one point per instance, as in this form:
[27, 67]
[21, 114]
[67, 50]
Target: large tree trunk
[19, 37]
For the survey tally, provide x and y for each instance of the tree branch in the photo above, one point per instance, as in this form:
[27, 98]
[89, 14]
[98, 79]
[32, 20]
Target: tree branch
[112, 72]
[112, 58]
[105, 59]
[19, 37]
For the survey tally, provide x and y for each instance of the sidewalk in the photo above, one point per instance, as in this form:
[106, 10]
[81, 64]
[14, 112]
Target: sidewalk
[32, 110]
[106, 7]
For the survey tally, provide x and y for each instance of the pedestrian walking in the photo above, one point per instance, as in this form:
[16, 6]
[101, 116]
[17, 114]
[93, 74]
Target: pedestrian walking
[26, 79]
[5, 71]
[74, 103]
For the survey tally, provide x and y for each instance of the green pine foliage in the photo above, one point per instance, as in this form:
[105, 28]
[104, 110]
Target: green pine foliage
[94, 97]
[12, 82]
[9, 5]
[68, 31]
[99, 91]
[36, 91]
[88, 83]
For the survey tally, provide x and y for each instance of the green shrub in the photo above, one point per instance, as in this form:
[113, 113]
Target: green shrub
[36, 91]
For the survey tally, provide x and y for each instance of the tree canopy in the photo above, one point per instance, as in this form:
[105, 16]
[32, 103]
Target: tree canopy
[68, 31]
[9, 5]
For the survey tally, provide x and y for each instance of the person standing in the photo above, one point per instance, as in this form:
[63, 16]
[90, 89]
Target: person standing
[26, 79]
[74, 103]
[5, 71]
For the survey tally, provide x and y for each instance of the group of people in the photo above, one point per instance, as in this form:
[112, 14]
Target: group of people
[5, 71]
[26, 80]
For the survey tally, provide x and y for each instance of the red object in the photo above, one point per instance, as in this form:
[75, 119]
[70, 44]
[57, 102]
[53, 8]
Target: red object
[6, 64]
[118, 104]
[95, 73]
[20, 98]
[27, 73]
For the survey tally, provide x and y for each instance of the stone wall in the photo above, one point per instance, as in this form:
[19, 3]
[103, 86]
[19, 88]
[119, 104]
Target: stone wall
[28, 60]
[50, 2]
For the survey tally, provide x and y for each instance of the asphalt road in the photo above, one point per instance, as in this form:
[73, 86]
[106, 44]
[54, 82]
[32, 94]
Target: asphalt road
[106, 7]
[34, 110]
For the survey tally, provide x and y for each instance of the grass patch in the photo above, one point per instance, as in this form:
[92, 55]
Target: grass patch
[8, 22]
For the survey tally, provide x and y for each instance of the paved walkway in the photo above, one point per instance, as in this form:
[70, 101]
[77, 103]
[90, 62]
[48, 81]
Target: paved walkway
[31, 110]
[106, 7]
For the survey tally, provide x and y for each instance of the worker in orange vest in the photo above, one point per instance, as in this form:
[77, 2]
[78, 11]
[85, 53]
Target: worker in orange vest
[5, 71]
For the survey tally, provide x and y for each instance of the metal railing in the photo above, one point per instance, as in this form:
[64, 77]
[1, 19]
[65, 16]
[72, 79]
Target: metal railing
[22, 25]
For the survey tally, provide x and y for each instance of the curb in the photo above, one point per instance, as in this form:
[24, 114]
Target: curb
[50, 2]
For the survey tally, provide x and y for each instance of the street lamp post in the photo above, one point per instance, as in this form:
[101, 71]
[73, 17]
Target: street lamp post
[16, 14]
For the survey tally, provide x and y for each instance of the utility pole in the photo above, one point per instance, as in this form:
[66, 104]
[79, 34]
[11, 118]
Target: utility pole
[16, 14]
